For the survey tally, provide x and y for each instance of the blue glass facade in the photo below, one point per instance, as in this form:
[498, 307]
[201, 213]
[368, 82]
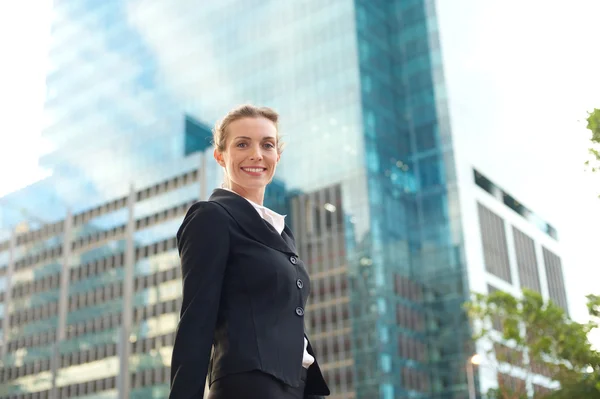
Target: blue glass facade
[133, 88]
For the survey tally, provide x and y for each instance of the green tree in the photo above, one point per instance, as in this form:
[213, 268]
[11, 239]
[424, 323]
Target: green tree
[537, 337]
[593, 125]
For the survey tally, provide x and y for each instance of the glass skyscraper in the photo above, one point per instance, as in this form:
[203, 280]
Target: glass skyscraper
[89, 274]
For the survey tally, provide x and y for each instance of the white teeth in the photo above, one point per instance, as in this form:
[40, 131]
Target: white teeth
[254, 170]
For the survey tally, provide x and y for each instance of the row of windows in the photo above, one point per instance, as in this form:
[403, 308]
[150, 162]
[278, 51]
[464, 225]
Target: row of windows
[409, 318]
[46, 283]
[157, 309]
[58, 228]
[39, 339]
[164, 215]
[168, 185]
[148, 221]
[150, 377]
[415, 380]
[411, 348]
[47, 231]
[95, 297]
[339, 377]
[71, 390]
[328, 254]
[319, 317]
[149, 192]
[105, 322]
[82, 243]
[43, 256]
[139, 379]
[156, 248]
[333, 347]
[100, 210]
[97, 267]
[336, 285]
[24, 316]
[86, 356]
[12, 373]
[408, 288]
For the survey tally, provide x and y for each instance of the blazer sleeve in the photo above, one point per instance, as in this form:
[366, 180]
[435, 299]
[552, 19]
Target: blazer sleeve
[203, 243]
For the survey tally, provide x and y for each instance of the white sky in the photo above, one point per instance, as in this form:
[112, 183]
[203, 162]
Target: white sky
[555, 44]
[24, 41]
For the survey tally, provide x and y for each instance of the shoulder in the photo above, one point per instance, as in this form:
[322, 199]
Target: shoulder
[210, 208]
[204, 215]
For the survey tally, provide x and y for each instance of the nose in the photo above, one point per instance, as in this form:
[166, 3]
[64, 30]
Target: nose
[256, 154]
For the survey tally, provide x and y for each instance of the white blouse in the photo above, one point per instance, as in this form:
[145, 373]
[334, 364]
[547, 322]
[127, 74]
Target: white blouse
[278, 222]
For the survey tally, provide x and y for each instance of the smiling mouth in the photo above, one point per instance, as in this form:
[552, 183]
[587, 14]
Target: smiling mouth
[254, 170]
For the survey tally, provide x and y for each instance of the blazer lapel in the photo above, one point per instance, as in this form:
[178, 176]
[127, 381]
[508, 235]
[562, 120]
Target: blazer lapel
[252, 223]
[289, 239]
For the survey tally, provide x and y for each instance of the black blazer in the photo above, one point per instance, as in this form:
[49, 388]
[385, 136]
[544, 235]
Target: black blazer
[245, 291]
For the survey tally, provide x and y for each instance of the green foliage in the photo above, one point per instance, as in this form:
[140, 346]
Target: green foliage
[593, 126]
[545, 333]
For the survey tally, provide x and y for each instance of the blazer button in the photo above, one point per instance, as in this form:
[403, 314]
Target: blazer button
[299, 283]
[294, 260]
[299, 311]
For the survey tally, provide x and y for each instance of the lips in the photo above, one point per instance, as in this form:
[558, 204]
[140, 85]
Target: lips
[254, 171]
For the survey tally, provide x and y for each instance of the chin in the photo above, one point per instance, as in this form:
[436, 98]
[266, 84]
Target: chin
[257, 185]
[253, 185]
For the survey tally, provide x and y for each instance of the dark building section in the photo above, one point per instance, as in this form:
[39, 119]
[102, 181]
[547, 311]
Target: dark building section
[495, 249]
[319, 228]
[197, 136]
[526, 261]
[555, 277]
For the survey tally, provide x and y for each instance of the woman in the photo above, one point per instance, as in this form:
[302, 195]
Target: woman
[244, 286]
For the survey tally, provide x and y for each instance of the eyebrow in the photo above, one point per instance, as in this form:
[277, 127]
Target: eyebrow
[248, 138]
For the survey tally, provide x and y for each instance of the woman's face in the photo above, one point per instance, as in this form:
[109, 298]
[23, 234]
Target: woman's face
[250, 157]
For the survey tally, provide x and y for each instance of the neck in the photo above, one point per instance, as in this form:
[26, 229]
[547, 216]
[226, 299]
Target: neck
[255, 195]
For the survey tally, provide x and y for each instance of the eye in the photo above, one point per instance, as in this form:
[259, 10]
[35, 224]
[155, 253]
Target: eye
[269, 145]
[241, 145]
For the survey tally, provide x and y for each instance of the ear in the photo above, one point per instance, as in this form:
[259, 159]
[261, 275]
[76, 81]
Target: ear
[219, 157]
[278, 157]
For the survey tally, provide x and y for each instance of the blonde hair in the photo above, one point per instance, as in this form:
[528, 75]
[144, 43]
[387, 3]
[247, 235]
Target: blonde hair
[244, 111]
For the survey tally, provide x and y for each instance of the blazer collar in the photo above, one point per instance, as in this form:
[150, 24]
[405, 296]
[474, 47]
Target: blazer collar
[252, 223]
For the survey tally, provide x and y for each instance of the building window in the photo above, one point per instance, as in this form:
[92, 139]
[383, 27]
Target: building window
[556, 281]
[526, 261]
[493, 237]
